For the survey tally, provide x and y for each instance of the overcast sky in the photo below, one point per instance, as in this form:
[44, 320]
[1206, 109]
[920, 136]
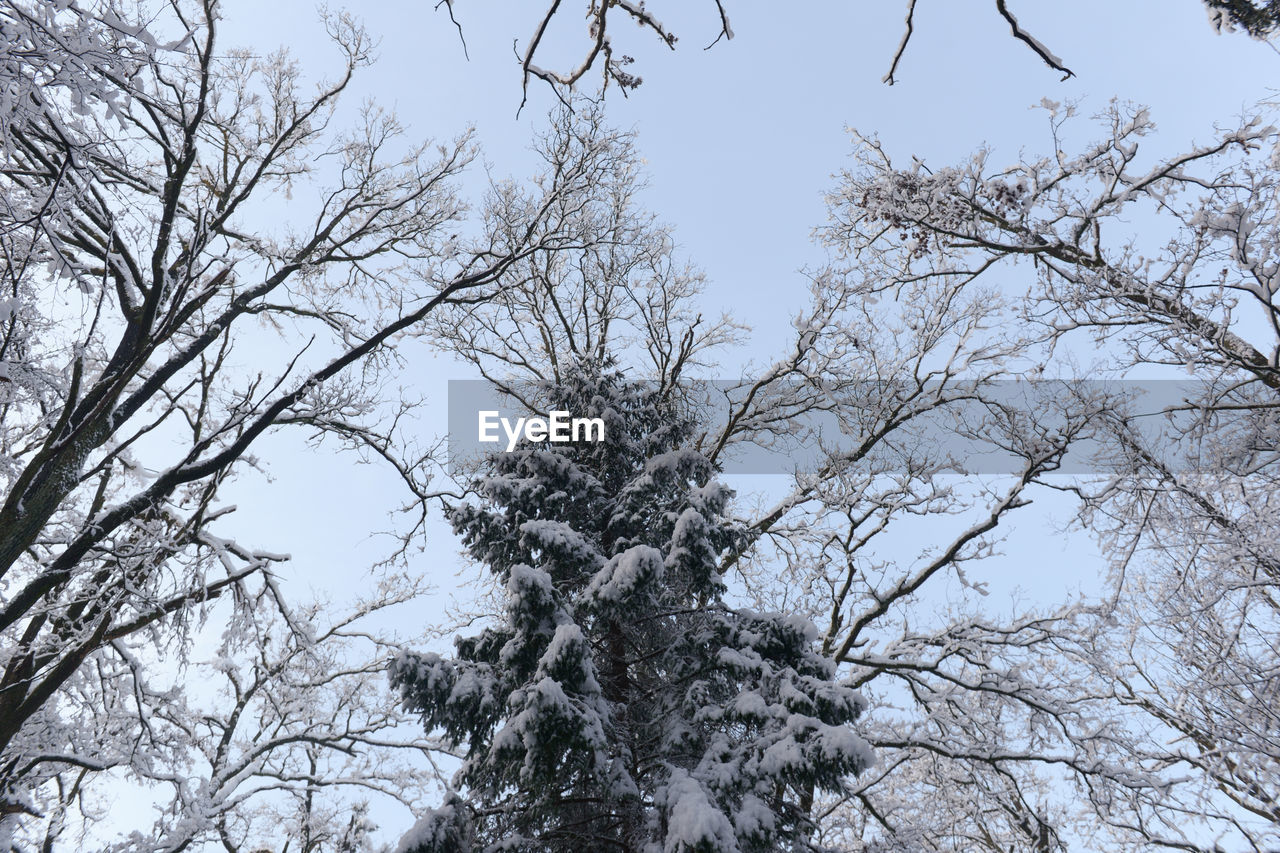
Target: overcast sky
[741, 141]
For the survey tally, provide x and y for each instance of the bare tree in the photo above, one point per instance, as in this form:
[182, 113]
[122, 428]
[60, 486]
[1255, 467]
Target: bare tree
[286, 731]
[625, 296]
[884, 542]
[1181, 658]
[142, 171]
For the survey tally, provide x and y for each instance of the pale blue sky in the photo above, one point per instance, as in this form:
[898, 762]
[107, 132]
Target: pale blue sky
[741, 141]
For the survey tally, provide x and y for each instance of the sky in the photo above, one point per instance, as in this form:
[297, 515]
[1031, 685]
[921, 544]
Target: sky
[742, 139]
[740, 142]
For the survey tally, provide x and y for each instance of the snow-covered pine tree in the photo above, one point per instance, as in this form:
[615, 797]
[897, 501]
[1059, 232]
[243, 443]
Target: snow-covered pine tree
[619, 703]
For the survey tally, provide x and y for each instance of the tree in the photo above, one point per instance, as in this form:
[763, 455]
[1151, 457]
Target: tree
[1179, 657]
[624, 295]
[287, 731]
[140, 268]
[619, 703]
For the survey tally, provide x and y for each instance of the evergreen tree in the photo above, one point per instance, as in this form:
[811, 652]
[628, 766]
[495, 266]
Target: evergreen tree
[619, 703]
